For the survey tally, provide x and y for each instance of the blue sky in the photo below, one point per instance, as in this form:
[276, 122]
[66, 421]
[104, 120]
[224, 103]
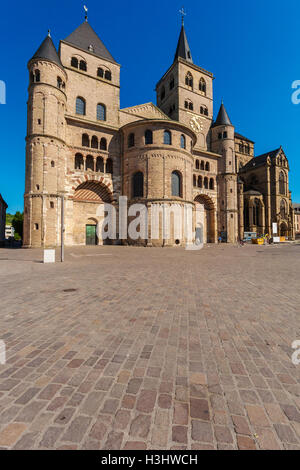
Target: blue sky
[251, 47]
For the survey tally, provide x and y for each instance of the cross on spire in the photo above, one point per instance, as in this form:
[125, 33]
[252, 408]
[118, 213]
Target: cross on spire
[86, 12]
[183, 14]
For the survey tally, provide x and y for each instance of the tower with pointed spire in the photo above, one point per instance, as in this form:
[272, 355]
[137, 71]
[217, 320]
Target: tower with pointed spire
[185, 92]
[222, 143]
[45, 145]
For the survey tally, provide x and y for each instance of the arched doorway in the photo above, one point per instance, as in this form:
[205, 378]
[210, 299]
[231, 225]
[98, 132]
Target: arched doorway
[88, 198]
[283, 229]
[205, 226]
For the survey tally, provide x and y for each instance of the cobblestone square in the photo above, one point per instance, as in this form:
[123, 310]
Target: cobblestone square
[140, 348]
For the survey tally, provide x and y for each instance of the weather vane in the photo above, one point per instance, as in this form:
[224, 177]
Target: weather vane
[86, 10]
[183, 14]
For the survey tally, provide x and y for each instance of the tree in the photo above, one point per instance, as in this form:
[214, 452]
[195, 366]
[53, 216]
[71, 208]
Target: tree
[17, 223]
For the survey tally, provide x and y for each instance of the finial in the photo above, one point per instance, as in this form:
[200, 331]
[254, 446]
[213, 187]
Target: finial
[49, 33]
[86, 10]
[222, 101]
[183, 14]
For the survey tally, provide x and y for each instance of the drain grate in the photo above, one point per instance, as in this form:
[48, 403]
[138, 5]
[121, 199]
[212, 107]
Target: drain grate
[70, 290]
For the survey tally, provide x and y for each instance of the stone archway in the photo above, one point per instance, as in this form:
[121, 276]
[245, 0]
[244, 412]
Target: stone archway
[205, 219]
[88, 201]
[283, 229]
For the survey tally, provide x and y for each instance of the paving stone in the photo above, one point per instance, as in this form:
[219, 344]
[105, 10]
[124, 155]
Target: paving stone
[199, 409]
[77, 429]
[140, 426]
[245, 443]
[11, 433]
[213, 368]
[202, 431]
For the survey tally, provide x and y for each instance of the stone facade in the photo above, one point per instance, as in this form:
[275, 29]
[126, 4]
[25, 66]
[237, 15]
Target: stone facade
[3, 207]
[296, 208]
[83, 151]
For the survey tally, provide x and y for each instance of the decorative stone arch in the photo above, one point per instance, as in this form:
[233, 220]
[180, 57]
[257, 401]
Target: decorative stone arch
[205, 219]
[101, 180]
[283, 229]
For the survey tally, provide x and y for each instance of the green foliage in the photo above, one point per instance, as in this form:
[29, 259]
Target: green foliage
[9, 219]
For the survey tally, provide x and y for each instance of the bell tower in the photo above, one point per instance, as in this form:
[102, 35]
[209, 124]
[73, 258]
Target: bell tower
[222, 142]
[45, 146]
[185, 92]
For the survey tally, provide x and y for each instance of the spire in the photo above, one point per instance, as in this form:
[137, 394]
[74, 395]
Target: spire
[183, 48]
[85, 38]
[47, 51]
[222, 119]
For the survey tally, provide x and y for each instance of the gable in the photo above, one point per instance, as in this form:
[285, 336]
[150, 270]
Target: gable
[146, 111]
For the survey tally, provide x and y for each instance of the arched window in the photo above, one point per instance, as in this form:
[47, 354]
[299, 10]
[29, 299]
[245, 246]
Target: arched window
[189, 80]
[80, 106]
[74, 62]
[167, 138]
[197, 165]
[100, 72]
[138, 184]
[52, 164]
[148, 137]
[281, 183]
[211, 184]
[82, 65]
[194, 180]
[100, 165]
[256, 212]
[206, 182]
[59, 82]
[172, 82]
[103, 144]
[204, 110]
[107, 75]
[131, 140]
[241, 148]
[283, 209]
[35, 76]
[109, 166]
[101, 112]
[85, 140]
[182, 141]
[202, 85]
[200, 184]
[163, 93]
[94, 144]
[188, 105]
[78, 161]
[206, 166]
[89, 163]
[202, 165]
[176, 184]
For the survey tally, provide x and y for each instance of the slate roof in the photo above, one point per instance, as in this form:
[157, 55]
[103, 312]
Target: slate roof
[261, 159]
[242, 137]
[222, 118]
[47, 51]
[183, 48]
[84, 36]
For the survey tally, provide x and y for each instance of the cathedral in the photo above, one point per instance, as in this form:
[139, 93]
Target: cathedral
[83, 151]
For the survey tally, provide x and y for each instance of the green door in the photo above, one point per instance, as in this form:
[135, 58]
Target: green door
[91, 236]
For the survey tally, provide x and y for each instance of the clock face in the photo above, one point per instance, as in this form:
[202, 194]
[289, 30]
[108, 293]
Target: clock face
[196, 124]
